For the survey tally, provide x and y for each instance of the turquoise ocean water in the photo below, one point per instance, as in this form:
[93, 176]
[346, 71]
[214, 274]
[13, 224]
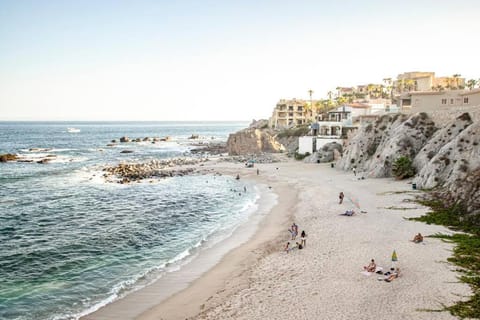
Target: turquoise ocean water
[70, 243]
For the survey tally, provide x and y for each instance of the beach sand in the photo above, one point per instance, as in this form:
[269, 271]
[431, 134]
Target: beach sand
[258, 280]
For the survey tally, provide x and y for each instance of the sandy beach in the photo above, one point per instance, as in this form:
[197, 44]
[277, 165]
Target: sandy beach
[259, 280]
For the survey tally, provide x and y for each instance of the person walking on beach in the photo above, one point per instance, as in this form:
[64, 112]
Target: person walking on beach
[293, 230]
[258, 172]
[340, 197]
[287, 247]
[354, 171]
[303, 239]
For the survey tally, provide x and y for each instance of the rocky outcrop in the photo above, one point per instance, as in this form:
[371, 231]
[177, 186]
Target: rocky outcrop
[377, 145]
[446, 159]
[259, 124]
[451, 154]
[129, 172]
[210, 148]
[8, 157]
[290, 143]
[328, 153]
[253, 141]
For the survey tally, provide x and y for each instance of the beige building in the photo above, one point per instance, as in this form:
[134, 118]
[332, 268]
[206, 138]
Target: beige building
[426, 81]
[429, 101]
[289, 113]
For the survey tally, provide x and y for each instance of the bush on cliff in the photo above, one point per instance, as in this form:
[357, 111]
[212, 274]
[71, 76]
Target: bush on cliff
[294, 132]
[402, 168]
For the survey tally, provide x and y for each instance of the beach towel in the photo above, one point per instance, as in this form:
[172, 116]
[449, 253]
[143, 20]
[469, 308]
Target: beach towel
[377, 270]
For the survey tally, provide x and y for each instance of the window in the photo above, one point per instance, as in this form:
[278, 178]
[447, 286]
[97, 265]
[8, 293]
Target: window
[451, 101]
[465, 100]
[444, 101]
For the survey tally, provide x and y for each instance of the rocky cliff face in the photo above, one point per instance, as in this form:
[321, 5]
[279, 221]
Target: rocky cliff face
[446, 158]
[253, 141]
[376, 146]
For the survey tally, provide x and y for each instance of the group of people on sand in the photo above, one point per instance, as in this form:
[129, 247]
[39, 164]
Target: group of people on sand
[388, 276]
[294, 233]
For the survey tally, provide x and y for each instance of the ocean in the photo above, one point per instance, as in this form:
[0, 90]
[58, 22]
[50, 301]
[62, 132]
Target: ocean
[71, 243]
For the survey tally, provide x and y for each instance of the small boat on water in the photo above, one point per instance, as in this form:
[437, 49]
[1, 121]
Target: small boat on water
[73, 130]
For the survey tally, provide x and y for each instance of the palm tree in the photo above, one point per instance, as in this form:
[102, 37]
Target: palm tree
[410, 84]
[310, 92]
[329, 94]
[471, 83]
[455, 79]
[370, 88]
[341, 100]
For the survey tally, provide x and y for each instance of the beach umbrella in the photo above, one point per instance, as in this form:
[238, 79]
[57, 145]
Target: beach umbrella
[394, 257]
[354, 201]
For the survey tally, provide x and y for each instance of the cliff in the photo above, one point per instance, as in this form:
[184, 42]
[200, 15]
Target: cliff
[446, 157]
[253, 141]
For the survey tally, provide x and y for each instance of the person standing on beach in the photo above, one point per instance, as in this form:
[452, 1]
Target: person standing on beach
[341, 196]
[354, 171]
[258, 172]
[303, 239]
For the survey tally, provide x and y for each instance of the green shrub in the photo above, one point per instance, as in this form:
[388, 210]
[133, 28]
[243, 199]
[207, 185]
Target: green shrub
[294, 132]
[402, 168]
[299, 156]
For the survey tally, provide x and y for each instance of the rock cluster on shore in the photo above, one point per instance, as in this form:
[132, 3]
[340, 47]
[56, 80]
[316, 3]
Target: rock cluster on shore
[8, 157]
[21, 158]
[130, 172]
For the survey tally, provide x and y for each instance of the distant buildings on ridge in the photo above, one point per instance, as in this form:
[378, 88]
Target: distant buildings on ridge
[409, 92]
[345, 109]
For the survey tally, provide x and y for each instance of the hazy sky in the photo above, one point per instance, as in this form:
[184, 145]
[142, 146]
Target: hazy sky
[216, 60]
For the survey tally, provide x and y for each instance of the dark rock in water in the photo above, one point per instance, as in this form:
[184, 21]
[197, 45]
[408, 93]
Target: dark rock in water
[8, 157]
[39, 149]
[25, 160]
[114, 141]
[193, 136]
[126, 151]
[146, 139]
[43, 161]
[124, 139]
[138, 140]
[110, 145]
[211, 148]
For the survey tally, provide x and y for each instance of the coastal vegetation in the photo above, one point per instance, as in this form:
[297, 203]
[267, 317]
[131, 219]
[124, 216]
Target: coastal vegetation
[466, 253]
[294, 132]
[402, 168]
[301, 156]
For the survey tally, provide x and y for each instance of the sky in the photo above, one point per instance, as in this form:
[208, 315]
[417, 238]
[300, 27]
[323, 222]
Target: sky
[217, 60]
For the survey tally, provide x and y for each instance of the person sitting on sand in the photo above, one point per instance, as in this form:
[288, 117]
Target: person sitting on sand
[340, 197]
[418, 238]
[299, 246]
[371, 266]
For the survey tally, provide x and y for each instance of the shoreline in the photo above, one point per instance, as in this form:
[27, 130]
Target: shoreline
[259, 280]
[137, 304]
